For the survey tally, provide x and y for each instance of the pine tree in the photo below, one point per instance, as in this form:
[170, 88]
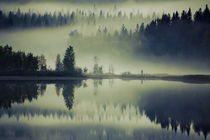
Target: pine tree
[69, 60]
[58, 64]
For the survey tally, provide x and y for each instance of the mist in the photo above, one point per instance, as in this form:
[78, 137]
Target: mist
[52, 41]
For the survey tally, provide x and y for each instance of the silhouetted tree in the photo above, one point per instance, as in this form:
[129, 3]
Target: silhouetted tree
[69, 60]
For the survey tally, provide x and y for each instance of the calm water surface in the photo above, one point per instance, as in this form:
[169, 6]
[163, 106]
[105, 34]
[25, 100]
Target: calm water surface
[104, 110]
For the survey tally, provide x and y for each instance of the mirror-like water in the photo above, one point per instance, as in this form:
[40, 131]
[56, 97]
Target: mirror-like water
[104, 109]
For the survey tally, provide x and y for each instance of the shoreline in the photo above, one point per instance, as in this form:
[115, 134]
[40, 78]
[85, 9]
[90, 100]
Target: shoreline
[182, 78]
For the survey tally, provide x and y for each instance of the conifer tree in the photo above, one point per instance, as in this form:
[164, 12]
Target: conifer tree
[69, 60]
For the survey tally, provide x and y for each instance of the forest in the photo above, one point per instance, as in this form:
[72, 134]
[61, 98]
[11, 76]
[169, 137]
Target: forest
[19, 19]
[16, 61]
[182, 36]
[26, 64]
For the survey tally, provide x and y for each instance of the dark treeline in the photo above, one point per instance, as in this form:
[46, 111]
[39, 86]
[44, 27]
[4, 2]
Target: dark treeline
[26, 64]
[184, 35]
[29, 19]
[115, 16]
[16, 61]
[17, 18]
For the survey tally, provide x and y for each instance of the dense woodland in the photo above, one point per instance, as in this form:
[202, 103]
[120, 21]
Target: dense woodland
[180, 35]
[21, 63]
[184, 35]
[17, 61]
[20, 19]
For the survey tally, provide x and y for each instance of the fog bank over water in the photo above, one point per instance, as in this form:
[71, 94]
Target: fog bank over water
[53, 41]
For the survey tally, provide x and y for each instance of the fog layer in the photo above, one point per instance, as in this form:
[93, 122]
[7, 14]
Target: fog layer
[53, 41]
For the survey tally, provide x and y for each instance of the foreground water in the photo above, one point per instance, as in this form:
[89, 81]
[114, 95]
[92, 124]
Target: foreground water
[104, 110]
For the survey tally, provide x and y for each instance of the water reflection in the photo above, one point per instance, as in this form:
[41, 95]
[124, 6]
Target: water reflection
[68, 92]
[19, 92]
[121, 110]
[97, 83]
[58, 87]
[187, 110]
[85, 133]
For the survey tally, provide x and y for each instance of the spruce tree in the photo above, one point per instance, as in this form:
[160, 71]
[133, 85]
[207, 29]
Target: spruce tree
[69, 60]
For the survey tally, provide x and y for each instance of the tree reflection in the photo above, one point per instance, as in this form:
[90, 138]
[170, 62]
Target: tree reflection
[58, 87]
[68, 92]
[96, 84]
[18, 92]
[175, 110]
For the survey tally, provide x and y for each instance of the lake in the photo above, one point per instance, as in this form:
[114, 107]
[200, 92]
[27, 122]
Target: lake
[110, 109]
